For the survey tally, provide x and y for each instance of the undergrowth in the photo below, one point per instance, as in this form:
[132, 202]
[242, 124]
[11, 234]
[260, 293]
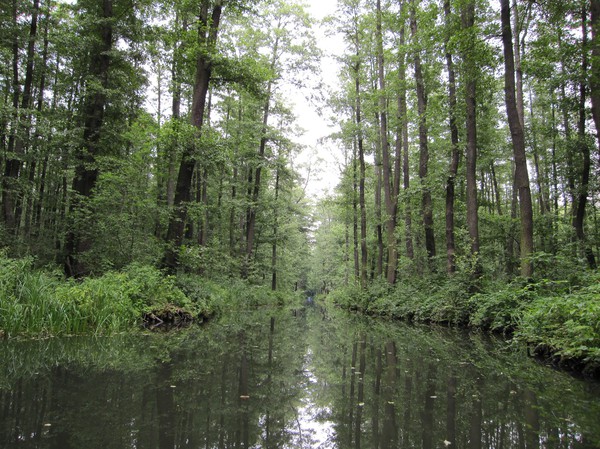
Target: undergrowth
[562, 316]
[36, 302]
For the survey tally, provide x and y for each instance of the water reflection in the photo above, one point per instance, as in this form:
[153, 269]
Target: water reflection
[282, 380]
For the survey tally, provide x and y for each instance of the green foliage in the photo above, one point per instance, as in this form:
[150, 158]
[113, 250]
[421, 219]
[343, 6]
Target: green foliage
[36, 302]
[207, 295]
[568, 324]
[41, 303]
[501, 309]
[27, 300]
[234, 296]
[562, 316]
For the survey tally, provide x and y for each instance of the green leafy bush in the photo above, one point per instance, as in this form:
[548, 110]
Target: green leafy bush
[568, 325]
[500, 308]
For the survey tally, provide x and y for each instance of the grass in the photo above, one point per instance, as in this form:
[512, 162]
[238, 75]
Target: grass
[42, 303]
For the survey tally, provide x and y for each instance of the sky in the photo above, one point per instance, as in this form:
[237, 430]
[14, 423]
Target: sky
[323, 155]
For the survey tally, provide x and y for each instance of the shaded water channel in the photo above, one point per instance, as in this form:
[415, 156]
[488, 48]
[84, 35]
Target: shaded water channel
[282, 380]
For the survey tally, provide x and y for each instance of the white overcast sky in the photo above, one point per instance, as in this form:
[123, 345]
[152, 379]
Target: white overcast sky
[322, 153]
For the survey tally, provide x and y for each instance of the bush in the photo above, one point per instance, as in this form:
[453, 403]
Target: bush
[500, 307]
[569, 326]
[36, 302]
[562, 317]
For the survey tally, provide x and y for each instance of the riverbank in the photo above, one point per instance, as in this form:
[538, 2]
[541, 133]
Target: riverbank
[41, 303]
[558, 321]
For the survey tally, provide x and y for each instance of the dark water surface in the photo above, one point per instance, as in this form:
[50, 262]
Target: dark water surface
[270, 379]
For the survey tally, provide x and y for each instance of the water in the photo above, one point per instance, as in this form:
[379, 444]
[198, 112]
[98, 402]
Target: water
[281, 380]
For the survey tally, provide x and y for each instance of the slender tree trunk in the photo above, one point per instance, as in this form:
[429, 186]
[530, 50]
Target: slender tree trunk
[517, 58]
[207, 37]
[455, 153]
[234, 184]
[251, 214]
[390, 199]
[38, 186]
[402, 112]
[468, 21]
[24, 125]
[204, 219]
[175, 116]
[86, 171]
[518, 139]
[251, 224]
[13, 161]
[378, 208]
[595, 78]
[275, 232]
[361, 178]
[579, 214]
[497, 198]
[355, 207]
[426, 201]
[543, 201]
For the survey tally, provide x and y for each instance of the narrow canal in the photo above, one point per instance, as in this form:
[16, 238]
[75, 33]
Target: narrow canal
[290, 380]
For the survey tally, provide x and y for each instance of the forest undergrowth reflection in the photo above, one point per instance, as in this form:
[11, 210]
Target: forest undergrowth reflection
[276, 379]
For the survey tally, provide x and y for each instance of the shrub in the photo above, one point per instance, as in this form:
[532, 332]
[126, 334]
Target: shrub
[567, 325]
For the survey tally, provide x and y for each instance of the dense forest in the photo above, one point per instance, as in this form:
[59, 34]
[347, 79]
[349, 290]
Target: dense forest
[157, 139]
[153, 132]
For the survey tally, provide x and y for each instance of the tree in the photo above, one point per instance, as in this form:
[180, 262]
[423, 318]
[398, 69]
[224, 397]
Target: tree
[470, 75]
[455, 152]
[391, 173]
[208, 29]
[518, 141]
[86, 171]
[426, 199]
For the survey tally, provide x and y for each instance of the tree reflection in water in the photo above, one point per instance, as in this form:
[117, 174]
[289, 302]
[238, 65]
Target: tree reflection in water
[282, 380]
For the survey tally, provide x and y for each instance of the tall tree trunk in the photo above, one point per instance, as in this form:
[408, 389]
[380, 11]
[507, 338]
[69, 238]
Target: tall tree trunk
[207, 37]
[378, 208]
[203, 223]
[362, 175]
[176, 114]
[232, 213]
[13, 161]
[251, 215]
[403, 113]
[38, 186]
[455, 153]
[24, 125]
[595, 78]
[355, 208]
[518, 69]
[580, 205]
[86, 171]
[468, 21]
[426, 201]
[518, 139]
[275, 232]
[390, 199]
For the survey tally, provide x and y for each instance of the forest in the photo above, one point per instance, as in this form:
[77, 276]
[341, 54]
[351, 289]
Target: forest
[151, 160]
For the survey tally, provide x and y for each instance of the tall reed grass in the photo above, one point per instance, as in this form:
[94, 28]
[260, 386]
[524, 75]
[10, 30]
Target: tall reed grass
[35, 302]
